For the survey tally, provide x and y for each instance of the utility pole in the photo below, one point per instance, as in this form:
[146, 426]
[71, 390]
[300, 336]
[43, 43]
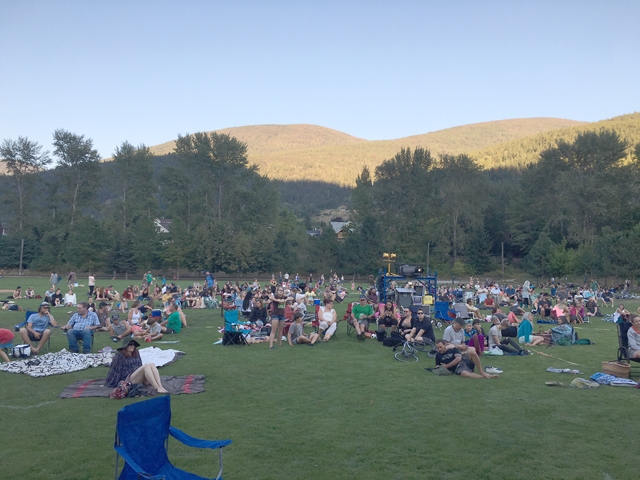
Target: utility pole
[502, 261]
[21, 252]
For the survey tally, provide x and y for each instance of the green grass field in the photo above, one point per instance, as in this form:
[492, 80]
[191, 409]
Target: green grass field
[345, 409]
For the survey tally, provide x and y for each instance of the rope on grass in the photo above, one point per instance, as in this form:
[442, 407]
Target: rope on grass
[561, 359]
[20, 407]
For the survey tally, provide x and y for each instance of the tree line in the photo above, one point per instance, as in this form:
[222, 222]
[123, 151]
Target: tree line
[574, 211]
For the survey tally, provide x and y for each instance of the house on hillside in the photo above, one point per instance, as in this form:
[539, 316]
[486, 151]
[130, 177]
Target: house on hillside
[314, 232]
[341, 228]
[162, 224]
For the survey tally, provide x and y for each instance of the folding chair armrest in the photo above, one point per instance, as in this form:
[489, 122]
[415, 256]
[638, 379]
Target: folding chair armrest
[196, 442]
[127, 458]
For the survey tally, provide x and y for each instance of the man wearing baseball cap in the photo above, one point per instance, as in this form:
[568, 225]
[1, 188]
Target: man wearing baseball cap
[37, 329]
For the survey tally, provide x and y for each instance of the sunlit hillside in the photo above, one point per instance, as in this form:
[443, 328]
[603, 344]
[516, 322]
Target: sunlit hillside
[521, 152]
[303, 152]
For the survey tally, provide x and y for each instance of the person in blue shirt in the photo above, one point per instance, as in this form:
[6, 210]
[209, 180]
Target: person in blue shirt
[81, 327]
[37, 328]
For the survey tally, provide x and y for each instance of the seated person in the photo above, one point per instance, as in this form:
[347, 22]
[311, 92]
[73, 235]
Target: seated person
[57, 299]
[103, 317]
[70, 299]
[622, 314]
[453, 360]
[154, 330]
[81, 326]
[328, 319]
[475, 336]
[489, 302]
[473, 310]
[507, 345]
[258, 315]
[563, 332]
[592, 308]
[127, 365]
[361, 314]
[296, 335]
[525, 330]
[37, 328]
[30, 293]
[405, 324]
[422, 329]
[6, 342]
[544, 306]
[48, 295]
[372, 296]
[388, 317]
[633, 337]
[119, 329]
[17, 294]
[175, 321]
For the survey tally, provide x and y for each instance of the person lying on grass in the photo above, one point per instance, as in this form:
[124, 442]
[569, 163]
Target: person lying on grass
[454, 361]
[454, 339]
[507, 345]
[296, 335]
[127, 365]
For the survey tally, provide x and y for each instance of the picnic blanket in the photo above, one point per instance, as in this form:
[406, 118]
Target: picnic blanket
[177, 384]
[57, 363]
[66, 362]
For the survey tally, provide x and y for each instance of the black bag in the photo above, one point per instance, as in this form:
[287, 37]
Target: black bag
[233, 338]
[380, 335]
[392, 340]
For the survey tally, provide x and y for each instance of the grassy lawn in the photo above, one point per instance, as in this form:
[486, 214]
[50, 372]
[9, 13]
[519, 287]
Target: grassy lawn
[344, 409]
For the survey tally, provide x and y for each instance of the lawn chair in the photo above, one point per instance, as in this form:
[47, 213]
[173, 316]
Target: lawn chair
[142, 440]
[623, 349]
[28, 313]
[441, 311]
[233, 334]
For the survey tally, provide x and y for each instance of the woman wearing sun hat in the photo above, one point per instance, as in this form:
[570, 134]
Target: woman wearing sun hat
[127, 365]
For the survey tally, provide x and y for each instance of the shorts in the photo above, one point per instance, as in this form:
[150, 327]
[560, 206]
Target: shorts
[32, 336]
[465, 365]
[521, 340]
[170, 330]
[297, 341]
[277, 318]
[387, 322]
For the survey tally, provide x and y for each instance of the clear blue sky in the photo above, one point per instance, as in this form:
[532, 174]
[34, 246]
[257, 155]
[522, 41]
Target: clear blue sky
[144, 71]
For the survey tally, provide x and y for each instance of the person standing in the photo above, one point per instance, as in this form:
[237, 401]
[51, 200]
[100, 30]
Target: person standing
[71, 279]
[92, 284]
[278, 302]
[54, 281]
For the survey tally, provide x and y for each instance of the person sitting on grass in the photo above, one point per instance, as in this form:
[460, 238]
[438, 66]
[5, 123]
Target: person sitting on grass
[362, 313]
[563, 333]
[81, 326]
[258, 315]
[405, 324]
[507, 345]
[119, 329]
[70, 299]
[17, 294]
[127, 365]
[422, 330]
[328, 319]
[592, 308]
[155, 329]
[296, 335]
[37, 329]
[29, 293]
[57, 299]
[48, 295]
[460, 364]
[525, 330]
[103, 316]
[175, 321]
[475, 337]
[473, 310]
[454, 338]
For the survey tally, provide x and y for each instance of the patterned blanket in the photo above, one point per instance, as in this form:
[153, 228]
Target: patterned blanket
[66, 362]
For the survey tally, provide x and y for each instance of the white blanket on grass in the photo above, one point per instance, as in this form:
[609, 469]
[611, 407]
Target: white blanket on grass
[57, 363]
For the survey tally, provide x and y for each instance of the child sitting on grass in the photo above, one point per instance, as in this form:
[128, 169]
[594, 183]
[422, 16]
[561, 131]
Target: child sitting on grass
[296, 335]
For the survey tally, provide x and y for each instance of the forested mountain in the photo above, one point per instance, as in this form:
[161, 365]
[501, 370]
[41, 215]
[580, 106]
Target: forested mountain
[310, 152]
[524, 151]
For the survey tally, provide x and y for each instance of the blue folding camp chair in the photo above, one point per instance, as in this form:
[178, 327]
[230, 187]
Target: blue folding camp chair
[233, 329]
[28, 313]
[142, 440]
[443, 312]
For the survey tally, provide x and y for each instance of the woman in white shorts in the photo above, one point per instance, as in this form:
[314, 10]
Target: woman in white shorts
[328, 319]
